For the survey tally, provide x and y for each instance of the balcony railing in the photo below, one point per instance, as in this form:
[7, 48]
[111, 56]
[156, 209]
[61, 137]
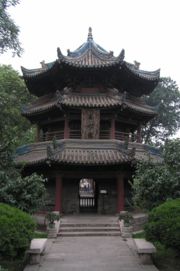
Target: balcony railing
[125, 136]
[76, 134]
[104, 134]
[50, 135]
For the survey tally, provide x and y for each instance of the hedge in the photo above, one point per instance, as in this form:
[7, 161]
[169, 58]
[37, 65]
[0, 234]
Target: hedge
[16, 231]
[164, 224]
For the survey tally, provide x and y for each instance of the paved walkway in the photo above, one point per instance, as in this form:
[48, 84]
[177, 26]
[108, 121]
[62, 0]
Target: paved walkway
[105, 253]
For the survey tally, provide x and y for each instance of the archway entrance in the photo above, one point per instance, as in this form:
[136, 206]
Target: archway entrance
[87, 196]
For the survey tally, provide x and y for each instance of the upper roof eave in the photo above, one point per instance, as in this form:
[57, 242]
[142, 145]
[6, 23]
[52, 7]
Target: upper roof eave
[146, 75]
[91, 56]
[35, 73]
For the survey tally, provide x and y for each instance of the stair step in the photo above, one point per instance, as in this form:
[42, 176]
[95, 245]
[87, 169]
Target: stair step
[90, 233]
[74, 229]
[88, 225]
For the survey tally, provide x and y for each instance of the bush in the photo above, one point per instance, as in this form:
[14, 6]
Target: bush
[164, 224]
[16, 231]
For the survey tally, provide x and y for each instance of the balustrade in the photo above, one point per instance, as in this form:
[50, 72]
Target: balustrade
[76, 134]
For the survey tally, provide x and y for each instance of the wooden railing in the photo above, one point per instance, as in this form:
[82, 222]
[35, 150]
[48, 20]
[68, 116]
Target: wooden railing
[76, 134]
[50, 135]
[104, 134]
[121, 136]
[125, 136]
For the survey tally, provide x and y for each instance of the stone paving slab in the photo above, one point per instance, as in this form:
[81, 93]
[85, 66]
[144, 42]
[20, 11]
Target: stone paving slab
[89, 254]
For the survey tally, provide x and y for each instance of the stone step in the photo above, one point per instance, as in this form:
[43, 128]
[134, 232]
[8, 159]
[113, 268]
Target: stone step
[66, 229]
[88, 233]
[89, 225]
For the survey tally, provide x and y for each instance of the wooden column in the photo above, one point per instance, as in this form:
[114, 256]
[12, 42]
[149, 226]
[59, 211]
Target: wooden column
[139, 140]
[37, 133]
[120, 193]
[113, 128]
[66, 127]
[58, 194]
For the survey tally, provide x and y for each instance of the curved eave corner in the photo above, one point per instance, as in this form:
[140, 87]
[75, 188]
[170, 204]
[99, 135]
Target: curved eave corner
[33, 73]
[151, 76]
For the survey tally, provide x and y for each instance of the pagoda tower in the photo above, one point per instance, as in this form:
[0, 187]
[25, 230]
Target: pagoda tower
[89, 113]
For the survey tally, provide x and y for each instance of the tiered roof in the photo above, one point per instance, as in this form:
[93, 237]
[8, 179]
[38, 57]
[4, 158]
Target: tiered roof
[91, 58]
[111, 98]
[85, 152]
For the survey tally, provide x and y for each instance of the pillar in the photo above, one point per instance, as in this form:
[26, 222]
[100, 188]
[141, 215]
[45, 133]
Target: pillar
[66, 127]
[113, 129]
[58, 194]
[38, 133]
[120, 193]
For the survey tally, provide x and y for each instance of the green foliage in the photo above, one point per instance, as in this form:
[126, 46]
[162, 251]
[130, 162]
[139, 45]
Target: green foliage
[14, 129]
[27, 194]
[152, 184]
[139, 235]
[166, 98]
[155, 183]
[51, 218]
[16, 230]
[164, 224]
[166, 259]
[172, 155]
[40, 234]
[127, 217]
[9, 30]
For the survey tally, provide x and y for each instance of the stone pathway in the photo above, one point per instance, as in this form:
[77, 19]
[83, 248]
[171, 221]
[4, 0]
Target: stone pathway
[94, 253]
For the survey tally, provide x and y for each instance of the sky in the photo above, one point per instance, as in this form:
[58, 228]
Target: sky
[148, 30]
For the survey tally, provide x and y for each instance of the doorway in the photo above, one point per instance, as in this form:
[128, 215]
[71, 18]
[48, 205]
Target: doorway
[87, 196]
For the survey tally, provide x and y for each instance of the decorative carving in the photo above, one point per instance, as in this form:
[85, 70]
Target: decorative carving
[90, 37]
[43, 65]
[122, 55]
[90, 123]
[137, 64]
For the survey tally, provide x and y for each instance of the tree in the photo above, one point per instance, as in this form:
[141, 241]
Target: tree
[155, 183]
[25, 193]
[166, 99]
[9, 31]
[14, 129]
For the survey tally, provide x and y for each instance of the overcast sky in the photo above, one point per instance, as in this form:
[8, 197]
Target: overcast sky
[148, 30]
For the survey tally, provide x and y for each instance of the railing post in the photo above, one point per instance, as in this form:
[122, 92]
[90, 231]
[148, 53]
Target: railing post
[113, 128]
[66, 127]
[37, 133]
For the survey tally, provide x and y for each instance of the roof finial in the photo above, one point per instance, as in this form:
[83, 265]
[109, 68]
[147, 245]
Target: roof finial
[90, 37]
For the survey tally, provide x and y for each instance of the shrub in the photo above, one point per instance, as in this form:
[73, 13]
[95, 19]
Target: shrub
[16, 231]
[164, 224]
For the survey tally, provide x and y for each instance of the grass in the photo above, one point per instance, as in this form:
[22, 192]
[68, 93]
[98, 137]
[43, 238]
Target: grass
[140, 235]
[40, 234]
